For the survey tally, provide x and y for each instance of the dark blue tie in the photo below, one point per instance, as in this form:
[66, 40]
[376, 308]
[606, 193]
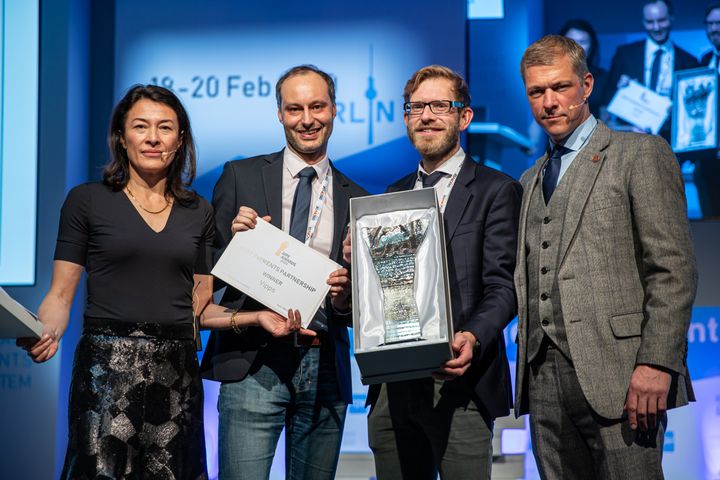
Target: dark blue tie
[655, 72]
[431, 179]
[552, 171]
[301, 204]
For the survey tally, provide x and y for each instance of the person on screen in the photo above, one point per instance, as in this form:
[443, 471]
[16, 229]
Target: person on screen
[584, 34]
[605, 283]
[419, 428]
[300, 384]
[145, 240]
[707, 165]
[651, 62]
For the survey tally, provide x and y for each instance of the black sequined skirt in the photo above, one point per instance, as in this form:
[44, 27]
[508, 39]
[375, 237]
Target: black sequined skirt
[136, 404]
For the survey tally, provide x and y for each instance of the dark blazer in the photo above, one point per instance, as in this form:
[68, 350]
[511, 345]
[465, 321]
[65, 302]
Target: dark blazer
[707, 56]
[629, 60]
[481, 228]
[257, 182]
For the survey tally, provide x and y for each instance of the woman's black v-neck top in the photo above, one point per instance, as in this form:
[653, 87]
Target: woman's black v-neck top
[135, 274]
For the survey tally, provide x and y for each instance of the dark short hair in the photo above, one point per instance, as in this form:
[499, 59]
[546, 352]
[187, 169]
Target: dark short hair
[584, 26]
[667, 3]
[546, 51]
[460, 87]
[711, 7]
[304, 70]
[182, 169]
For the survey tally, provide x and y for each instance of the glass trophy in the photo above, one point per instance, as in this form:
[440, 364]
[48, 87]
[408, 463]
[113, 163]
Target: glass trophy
[393, 250]
[696, 104]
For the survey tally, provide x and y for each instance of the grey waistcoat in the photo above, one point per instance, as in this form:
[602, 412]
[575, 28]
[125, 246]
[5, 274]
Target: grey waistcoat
[543, 230]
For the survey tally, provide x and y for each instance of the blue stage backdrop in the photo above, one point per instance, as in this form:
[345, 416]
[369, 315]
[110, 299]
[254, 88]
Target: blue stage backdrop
[19, 53]
[223, 60]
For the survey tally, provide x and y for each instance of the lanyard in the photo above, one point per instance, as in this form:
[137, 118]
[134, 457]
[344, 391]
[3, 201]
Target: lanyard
[317, 209]
[448, 189]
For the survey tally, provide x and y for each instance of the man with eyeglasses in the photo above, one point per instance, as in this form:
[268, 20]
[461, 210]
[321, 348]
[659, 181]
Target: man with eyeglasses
[419, 428]
[707, 165]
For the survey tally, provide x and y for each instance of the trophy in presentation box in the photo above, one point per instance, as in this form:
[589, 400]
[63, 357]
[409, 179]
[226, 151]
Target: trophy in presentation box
[401, 307]
[695, 116]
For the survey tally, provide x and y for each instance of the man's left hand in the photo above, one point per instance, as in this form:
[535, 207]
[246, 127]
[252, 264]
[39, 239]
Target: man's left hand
[647, 396]
[463, 346]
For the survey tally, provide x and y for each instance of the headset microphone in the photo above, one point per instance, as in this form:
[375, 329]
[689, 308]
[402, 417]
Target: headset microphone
[578, 105]
[165, 155]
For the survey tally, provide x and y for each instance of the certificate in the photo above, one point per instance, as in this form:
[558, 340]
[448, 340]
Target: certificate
[15, 320]
[277, 270]
[640, 106]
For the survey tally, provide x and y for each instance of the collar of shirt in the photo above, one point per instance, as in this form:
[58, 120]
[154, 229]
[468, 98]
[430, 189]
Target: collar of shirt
[580, 135]
[575, 143]
[449, 167]
[651, 46]
[293, 163]
[323, 237]
[713, 63]
[443, 187]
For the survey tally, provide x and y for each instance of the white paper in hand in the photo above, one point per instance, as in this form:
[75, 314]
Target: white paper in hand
[276, 270]
[15, 320]
[640, 106]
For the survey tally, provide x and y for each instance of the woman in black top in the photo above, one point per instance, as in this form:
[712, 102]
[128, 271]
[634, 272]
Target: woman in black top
[145, 240]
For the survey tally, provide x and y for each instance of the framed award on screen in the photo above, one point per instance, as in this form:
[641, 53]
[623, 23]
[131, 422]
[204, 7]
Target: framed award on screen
[695, 117]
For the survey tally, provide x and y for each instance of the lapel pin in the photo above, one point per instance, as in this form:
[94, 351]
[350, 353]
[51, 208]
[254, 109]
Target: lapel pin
[595, 158]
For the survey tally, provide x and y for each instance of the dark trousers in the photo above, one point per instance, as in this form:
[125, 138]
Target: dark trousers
[420, 428]
[570, 441]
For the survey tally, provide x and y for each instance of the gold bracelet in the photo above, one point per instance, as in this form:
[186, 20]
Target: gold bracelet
[234, 325]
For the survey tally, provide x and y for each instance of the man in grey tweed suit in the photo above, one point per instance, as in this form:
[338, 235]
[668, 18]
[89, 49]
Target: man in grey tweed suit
[605, 281]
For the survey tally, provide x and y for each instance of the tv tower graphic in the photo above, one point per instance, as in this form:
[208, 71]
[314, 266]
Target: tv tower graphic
[370, 94]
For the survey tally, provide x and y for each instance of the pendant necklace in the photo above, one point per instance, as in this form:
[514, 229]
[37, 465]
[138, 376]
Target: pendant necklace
[155, 212]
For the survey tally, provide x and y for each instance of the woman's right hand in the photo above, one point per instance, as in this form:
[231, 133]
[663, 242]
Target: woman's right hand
[54, 311]
[42, 349]
[279, 326]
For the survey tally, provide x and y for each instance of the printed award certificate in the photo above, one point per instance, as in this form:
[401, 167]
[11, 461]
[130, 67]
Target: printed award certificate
[15, 320]
[276, 270]
[640, 106]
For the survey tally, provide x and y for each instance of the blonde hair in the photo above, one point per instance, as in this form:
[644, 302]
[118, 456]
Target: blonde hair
[549, 49]
[438, 71]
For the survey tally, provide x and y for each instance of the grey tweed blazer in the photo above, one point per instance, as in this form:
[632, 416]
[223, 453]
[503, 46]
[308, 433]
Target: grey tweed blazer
[627, 275]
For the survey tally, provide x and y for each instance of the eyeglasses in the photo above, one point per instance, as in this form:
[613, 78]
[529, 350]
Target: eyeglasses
[438, 107]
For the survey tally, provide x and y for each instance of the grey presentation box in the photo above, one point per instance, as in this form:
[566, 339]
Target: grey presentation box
[413, 359]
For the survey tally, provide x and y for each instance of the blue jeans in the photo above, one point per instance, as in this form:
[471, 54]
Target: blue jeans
[289, 387]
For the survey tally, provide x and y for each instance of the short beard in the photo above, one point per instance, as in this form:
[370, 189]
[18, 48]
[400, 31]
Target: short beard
[436, 152]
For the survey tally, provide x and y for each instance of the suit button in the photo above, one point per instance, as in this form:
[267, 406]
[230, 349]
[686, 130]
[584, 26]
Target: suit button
[543, 270]
[545, 322]
[545, 244]
[546, 220]
[544, 296]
